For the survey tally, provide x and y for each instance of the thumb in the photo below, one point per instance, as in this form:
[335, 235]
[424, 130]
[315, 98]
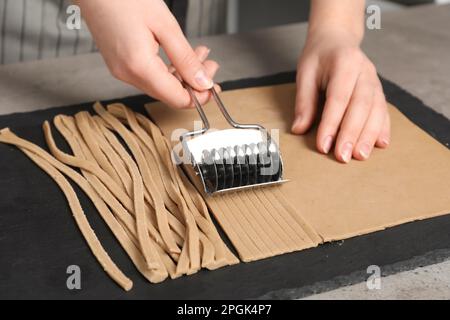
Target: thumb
[184, 59]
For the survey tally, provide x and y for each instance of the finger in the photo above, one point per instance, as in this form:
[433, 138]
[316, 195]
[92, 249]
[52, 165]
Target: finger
[354, 119]
[306, 99]
[205, 96]
[202, 53]
[211, 68]
[338, 94]
[384, 138]
[372, 128]
[161, 84]
[183, 57]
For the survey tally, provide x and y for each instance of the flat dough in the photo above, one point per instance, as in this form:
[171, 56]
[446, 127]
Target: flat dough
[325, 200]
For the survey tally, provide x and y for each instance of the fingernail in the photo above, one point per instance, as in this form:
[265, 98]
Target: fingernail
[202, 80]
[364, 150]
[346, 152]
[385, 142]
[205, 54]
[296, 123]
[327, 142]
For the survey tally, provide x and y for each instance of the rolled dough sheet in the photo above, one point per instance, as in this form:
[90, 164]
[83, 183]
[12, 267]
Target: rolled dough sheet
[408, 181]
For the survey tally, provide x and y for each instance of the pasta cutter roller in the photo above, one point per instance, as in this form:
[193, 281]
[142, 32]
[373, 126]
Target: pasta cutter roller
[231, 159]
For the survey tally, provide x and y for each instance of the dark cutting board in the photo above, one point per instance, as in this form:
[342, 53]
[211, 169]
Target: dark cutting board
[39, 238]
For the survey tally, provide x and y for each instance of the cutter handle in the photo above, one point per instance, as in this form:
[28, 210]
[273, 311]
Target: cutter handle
[222, 109]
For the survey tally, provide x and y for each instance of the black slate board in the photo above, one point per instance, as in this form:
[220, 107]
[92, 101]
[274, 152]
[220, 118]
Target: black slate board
[39, 239]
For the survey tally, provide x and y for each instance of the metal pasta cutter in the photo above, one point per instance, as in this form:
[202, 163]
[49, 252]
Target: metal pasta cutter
[240, 157]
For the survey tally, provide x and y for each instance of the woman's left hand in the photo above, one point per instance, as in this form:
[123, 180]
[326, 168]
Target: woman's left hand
[355, 116]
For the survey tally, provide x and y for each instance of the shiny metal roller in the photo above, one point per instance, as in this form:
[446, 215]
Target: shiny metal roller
[232, 159]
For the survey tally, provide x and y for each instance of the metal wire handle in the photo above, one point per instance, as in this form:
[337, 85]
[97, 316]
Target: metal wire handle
[222, 109]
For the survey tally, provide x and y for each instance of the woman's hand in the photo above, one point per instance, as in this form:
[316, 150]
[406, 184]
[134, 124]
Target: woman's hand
[129, 34]
[355, 116]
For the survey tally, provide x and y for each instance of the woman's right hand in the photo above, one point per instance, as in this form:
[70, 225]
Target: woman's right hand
[129, 35]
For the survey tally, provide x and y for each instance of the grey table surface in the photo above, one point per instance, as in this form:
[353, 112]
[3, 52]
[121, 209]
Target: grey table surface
[412, 49]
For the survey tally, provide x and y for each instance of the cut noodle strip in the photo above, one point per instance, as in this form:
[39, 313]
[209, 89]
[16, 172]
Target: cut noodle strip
[50, 165]
[153, 210]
